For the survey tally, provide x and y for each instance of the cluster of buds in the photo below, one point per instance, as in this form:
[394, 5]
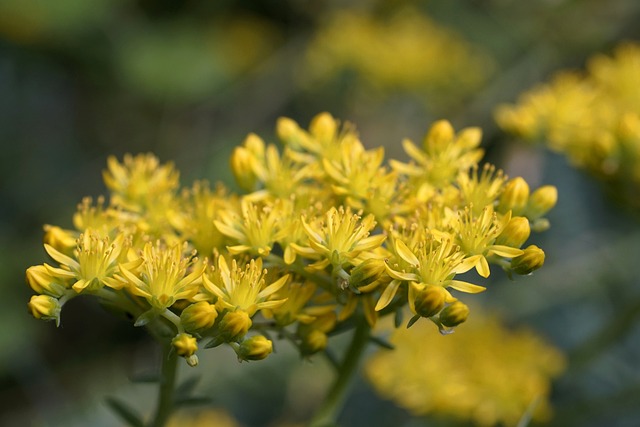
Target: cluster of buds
[325, 232]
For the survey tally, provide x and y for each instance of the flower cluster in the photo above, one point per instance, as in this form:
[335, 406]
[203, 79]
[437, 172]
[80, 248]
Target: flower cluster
[325, 232]
[398, 51]
[507, 374]
[592, 117]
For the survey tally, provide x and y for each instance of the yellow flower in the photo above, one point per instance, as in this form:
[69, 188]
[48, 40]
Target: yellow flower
[243, 287]
[254, 228]
[431, 374]
[165, 275]
[431, 263]
[443, 155]
[339, 239]
[200, 208]
[480, 191]
[477, 235]
[391, 52]
[95, 261]
[139, 180]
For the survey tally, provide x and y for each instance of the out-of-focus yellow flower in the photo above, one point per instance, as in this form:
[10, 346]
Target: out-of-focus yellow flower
[505, 375]
[202, 418]
[139, 180]
[403, 51]
[592, 117]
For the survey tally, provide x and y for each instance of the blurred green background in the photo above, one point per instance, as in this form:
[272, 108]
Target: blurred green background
[187, 80]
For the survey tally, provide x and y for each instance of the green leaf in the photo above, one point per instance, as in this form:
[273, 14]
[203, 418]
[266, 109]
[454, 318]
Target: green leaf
[193, 401]
[128, 414]
[382, 342]
[185, 389]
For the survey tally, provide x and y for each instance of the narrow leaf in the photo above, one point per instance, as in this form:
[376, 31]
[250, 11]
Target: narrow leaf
[128, 414]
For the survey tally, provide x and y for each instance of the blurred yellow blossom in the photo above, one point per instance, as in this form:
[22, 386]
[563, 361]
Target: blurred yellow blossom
[399, 51]
[592, 117]
[484, 373]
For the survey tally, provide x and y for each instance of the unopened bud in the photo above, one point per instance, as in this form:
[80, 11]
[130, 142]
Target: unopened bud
[541, 201]
[255, 348]
[313, 341]
[185, 345]
[430, 300]
[42, 282]
[515, 196]
[241, 168]
[454, 314]
[469, 137]
[531, 260]
[234, 325]
[62, 240]
[515, 233]
[200, 315]
[323, 127]
[45, 307]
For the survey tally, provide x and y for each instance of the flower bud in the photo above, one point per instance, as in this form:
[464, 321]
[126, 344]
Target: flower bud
[532, 259]
[515, 196]
[255, 348]
[515, 233]
[185, 345]
[241, 168]
[289, 132]
[323, 127]
[45, 307]
[439, 136]
[454, 314]
[313, 341]
[430, 300]
[469, 137]
[42, 282]
[234, 325]
[541, 201]
[62, 240]
[200, 315]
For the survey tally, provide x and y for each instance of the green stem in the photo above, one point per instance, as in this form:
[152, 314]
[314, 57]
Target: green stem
[167, 386]
[331, 407]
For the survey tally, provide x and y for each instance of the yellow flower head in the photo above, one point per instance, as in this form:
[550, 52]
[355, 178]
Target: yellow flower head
[243, 287]
[94, 263]
[164, 276]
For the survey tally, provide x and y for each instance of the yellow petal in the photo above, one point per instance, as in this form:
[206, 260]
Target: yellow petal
[467, 287]
[505, 251]
[387, 295]
[405, 253]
